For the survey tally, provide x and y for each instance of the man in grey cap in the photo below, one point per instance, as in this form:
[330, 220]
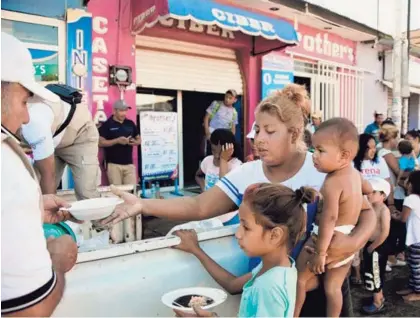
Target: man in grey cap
[118, 136]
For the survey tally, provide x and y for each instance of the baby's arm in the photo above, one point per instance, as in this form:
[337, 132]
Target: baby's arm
[327, 221]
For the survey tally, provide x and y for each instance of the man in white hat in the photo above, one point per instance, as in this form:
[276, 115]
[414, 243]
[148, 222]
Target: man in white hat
[32, 270]
[61, 134]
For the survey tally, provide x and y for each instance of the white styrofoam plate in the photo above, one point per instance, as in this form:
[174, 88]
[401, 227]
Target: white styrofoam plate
[93, 209]
[218, 296]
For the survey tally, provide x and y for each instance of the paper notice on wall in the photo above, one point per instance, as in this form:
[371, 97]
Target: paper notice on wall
[159, 144]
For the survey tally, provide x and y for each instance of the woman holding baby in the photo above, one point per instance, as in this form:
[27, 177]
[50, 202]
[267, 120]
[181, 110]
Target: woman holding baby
[284, 160]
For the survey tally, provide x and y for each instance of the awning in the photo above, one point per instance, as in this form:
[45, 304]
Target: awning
[414, 90]
[146, 13]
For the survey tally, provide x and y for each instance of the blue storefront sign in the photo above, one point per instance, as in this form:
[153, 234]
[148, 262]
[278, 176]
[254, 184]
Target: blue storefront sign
[79, 56]
[276, 72]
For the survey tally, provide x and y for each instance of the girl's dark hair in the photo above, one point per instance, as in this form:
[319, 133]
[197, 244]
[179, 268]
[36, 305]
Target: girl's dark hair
[405, 147]
[388, 121]
[275, 205]
[225, 136]
[414, 133]
[363, 147]
[414, 180]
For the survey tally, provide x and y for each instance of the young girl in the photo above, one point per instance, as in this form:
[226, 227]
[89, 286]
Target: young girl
[225, 157]
[411, 215]
[272, 221]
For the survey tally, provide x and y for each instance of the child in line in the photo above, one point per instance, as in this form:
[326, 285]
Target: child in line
[220, 115]
[336, 144]
[272, 220]
[411, 215]
[374, 253]
[226, 156]
[254, 154]
[407, 162]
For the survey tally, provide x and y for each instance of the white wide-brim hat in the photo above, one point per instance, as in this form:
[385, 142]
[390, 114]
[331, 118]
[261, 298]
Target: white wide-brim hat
[17, 67]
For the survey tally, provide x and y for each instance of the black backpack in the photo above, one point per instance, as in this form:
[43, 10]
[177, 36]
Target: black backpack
[69, 95]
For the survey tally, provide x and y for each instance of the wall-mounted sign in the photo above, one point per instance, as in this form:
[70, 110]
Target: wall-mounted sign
[45, 64]
[79, 53]
[277, 72]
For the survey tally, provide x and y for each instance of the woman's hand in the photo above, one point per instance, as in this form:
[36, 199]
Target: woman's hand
[55, 210]
[132, 206]
[189, 241]
[227, 152]
[198, 312]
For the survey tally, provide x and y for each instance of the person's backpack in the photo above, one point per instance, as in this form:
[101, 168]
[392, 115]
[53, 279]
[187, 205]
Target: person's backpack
[71, 96]
[217, 108]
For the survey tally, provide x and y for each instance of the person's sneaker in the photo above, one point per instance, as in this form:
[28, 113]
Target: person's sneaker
[388, 268]
[372, 309]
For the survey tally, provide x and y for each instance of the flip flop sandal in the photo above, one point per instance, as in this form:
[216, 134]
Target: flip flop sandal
[404, 292]
[372, 309]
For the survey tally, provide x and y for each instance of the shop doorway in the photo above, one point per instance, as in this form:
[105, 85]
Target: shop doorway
[306, 81]
[194, 106]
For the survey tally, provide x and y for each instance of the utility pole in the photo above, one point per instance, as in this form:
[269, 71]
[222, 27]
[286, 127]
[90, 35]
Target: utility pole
[405, 90]
[396, 65]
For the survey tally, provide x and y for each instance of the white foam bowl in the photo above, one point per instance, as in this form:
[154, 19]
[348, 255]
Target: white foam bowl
[219, 296]
[94, 209]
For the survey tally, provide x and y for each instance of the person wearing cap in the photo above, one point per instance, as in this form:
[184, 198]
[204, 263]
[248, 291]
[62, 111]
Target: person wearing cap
[32, 269]
[316, 118]
[61, 134]
[375, 253]
[373, 128]
[254, 153]
[220, 115]
[118, 136]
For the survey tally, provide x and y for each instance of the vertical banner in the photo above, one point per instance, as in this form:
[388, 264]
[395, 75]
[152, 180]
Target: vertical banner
[277, 72]
[79, 53]
[79, 59]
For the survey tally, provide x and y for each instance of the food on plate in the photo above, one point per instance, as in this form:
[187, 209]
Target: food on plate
[191, 300]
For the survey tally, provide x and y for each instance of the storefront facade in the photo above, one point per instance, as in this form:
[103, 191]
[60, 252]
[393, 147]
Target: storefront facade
[327, 65]
[181, 64]
[57, 35]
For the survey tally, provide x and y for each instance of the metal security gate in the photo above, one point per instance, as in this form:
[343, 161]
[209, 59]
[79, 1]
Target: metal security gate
[336, 90]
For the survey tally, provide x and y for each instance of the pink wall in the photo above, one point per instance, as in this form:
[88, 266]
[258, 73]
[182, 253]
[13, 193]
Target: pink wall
[112, 44]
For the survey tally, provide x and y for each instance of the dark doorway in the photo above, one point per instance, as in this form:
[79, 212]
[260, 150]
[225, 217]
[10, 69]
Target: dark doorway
[194, 106]
[306, 81]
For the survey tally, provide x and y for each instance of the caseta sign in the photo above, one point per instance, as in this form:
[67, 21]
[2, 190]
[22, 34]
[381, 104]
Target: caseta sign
[323, 45]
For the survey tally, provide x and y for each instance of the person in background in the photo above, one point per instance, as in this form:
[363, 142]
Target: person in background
[316, 118]
[371, 166]
[61, 134]
[388, 136]
[226, 156]
[373, 128]
[254, 151]
[220, 115]
[408, 161]
[414, 137]
[374, 253]
[118, 136]
[32, 269]
[272, 221]
[411, 215]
